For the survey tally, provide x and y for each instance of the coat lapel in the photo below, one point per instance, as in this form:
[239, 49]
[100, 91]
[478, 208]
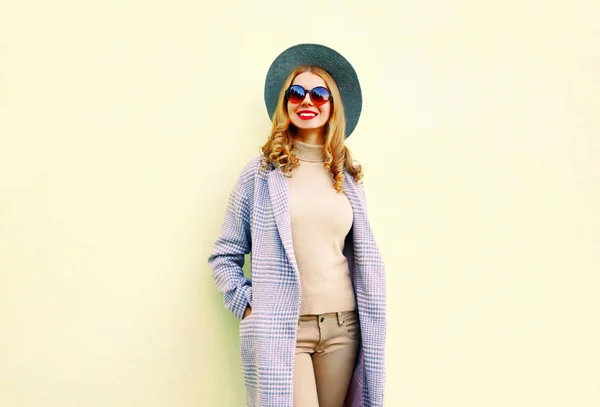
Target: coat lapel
[353, 195]
[279, 193]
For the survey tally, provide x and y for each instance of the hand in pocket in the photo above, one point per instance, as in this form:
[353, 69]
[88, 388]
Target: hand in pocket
[247, 312]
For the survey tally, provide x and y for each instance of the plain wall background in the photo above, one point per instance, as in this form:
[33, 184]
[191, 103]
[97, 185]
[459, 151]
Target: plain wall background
[124, 124]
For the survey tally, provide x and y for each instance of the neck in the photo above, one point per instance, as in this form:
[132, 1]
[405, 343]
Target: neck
[310, 136]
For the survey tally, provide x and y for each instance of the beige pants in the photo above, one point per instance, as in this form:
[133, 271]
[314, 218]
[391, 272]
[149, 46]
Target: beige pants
[326, 351]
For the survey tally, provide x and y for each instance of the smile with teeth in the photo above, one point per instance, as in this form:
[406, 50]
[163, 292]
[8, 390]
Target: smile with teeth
[307, 115]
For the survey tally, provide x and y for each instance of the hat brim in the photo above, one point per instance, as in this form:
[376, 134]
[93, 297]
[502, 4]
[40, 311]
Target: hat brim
[324, 57]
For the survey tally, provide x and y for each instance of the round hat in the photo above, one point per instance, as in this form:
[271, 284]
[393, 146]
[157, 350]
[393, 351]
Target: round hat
[324, 57]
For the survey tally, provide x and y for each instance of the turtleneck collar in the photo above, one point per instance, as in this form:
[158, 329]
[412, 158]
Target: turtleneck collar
[313, 153]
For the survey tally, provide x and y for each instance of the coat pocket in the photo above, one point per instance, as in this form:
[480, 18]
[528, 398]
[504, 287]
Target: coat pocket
[244, 321]
[248, 352]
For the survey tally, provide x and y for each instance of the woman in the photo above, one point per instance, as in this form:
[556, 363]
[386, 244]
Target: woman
[312, 329]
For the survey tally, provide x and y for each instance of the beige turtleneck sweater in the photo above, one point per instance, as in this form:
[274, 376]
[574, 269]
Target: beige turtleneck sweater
[321, 218]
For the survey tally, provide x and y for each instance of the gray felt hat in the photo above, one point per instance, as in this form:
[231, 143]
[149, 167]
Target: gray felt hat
[330, 60]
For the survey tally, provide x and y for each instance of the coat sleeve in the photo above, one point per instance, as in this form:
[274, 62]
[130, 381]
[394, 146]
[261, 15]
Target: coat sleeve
[227, 257]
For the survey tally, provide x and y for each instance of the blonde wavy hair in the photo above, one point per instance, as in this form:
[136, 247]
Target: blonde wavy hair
[277, 151]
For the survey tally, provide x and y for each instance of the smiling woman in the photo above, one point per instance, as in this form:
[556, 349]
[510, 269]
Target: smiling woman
[313, 318]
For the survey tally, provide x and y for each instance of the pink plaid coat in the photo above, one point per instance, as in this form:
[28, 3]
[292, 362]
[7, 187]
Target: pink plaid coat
[257, 221]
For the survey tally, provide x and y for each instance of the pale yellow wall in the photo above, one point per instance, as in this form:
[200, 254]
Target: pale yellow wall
[123, 125]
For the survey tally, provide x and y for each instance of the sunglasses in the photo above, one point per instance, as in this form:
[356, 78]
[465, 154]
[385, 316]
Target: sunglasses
[319, 95]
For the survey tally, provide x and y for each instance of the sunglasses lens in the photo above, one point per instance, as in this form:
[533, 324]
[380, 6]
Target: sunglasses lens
[320, 95]
[296, 94]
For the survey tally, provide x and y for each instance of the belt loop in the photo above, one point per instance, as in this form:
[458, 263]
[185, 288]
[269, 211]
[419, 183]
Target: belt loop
[340, 319]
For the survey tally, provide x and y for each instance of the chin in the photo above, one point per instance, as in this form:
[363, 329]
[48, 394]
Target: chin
[308, 126]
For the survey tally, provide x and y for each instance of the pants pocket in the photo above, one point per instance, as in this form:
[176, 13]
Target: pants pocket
[351, 324]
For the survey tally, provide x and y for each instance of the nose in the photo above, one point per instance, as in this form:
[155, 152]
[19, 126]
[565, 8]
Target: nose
[307, 100]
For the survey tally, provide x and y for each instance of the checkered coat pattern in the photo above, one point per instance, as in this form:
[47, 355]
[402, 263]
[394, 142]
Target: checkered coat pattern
[257, 220]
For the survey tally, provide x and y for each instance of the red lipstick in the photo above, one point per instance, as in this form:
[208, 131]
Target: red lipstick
[306, 114]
